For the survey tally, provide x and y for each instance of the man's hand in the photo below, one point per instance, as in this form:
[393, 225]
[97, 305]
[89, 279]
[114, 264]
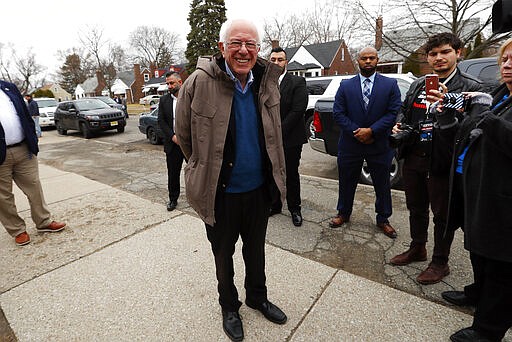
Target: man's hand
[396, 128]
[364, 135]
[175, 139]
[436, 95]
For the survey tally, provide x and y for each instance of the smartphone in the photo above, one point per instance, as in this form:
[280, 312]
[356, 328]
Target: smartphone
[431, 83]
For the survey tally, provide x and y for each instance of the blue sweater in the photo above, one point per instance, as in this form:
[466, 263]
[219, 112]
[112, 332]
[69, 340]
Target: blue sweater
[247, 171]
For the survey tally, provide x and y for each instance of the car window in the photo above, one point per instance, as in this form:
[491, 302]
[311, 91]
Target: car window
[90, 104]
[489, 73]
[155, 112]
[107, 100]
[317, 87]
[46, 103]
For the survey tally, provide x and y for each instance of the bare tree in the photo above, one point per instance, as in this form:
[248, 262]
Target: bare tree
[411, 21]
[327, 21]
[5, 64]
[155, 45]
[92, 41]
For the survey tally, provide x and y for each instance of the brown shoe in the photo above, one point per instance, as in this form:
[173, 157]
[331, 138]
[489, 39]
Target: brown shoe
[433, 274]
[337, 221]
[387, 229]
[53, 227]
[22, 239]
[413, 254]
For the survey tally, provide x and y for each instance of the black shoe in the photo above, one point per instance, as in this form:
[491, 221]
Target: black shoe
[458, 298]
[270, 311]
[172, 205]
[470, 335]
[296, 218]
[274, 211]
[232, 325]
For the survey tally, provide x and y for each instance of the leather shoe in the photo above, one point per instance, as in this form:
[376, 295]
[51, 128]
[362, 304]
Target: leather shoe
[433, 274]
[458, 298]
[172, 205]
[387, 229]
[232, 325]
[53, 227]
[414, 253]
[297, 218]
[337, 221]
[274, 211]
[470, 335]
[22, 239]
[270, 311]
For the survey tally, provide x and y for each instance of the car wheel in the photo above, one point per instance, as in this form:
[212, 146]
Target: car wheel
[395, 174]
[310, 129]
[152, 137]
[61, 130]
[86, 132]
[152, 103]
[120, 129]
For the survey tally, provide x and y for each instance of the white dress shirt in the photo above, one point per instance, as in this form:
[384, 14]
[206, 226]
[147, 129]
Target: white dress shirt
[10, 121]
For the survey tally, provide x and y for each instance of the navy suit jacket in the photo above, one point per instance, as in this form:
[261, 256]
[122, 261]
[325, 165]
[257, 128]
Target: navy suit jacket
[349, 113]
[27, 123]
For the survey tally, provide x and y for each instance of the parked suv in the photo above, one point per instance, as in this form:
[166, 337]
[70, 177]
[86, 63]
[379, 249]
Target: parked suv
[149, 100]
[88, 116]
[47, 107]
[485, 69]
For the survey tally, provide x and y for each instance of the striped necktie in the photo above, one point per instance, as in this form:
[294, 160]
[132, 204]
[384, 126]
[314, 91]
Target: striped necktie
[366, 92]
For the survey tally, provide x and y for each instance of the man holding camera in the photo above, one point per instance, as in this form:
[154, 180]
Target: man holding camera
[426, 163]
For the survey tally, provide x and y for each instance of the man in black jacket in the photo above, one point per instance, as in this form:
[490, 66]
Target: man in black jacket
[294, 101]
[166, 121]
[427, 162]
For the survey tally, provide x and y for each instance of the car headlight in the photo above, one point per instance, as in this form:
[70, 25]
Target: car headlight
[92, 117]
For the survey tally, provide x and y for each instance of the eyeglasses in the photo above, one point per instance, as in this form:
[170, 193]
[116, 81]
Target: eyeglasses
[237, 45]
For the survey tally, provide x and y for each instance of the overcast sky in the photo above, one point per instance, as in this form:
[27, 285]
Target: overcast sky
[51, 25]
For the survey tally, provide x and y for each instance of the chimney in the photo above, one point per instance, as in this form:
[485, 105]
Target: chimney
[275, 43]
[378, 33]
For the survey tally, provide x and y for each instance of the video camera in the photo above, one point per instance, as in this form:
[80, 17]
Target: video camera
[502, 16]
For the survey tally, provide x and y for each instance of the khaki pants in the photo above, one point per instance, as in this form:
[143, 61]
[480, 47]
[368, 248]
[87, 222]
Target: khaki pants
[21, 166]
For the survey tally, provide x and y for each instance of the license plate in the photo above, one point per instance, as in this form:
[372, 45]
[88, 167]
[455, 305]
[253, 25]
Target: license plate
[113, 123]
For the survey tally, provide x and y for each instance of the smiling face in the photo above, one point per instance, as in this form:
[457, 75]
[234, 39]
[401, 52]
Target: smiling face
[443, 59]
[240, 58]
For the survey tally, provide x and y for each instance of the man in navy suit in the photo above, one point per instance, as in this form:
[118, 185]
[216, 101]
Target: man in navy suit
[173, 154]
[365, 108]
[18, 163]
[294, 101]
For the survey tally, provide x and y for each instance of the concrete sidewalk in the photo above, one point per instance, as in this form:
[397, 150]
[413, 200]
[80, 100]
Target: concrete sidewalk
[127, 270]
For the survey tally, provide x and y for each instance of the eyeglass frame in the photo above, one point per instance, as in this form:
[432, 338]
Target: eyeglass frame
[237, 45]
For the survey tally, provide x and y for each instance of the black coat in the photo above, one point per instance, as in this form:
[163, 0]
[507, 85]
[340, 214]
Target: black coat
[441, 152]
[294, 101]
[487, 171]
[165, 121]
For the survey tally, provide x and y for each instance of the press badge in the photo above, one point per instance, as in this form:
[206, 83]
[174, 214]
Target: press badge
[426, 128]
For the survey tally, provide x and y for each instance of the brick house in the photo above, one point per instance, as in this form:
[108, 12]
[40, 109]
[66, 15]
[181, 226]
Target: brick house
[324, 59]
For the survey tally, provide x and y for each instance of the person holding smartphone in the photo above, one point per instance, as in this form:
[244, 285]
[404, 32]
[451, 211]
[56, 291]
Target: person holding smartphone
[426, 162]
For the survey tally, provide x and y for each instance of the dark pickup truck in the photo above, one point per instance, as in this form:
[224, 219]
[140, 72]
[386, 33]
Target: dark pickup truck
[326, 134]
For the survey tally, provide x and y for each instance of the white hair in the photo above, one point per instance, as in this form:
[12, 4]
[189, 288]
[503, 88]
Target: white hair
[226, 28]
